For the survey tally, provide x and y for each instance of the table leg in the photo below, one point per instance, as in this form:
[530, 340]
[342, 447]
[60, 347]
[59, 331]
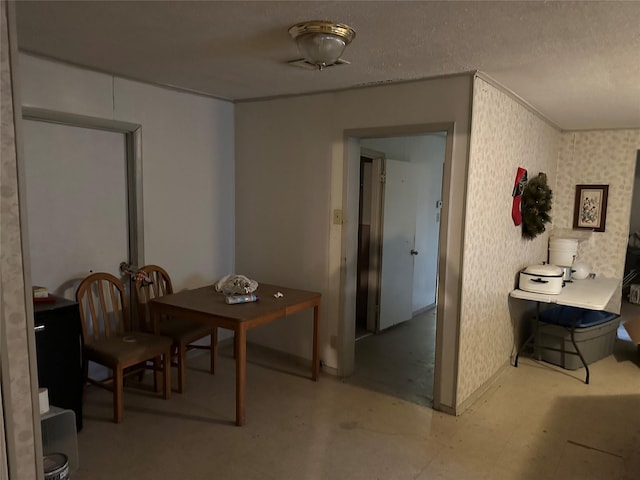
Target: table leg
[524, 345]
[241, 366]
[533, 337]
[214, 349]
[166, 373]
[315, 366]
[575, 346]
[536, 334]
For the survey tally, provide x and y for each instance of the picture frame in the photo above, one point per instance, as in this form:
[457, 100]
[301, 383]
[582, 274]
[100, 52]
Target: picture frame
[590, 211]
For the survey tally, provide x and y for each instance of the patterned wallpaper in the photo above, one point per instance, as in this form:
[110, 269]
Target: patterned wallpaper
[16, 386]
[599, 157]
[504, 136]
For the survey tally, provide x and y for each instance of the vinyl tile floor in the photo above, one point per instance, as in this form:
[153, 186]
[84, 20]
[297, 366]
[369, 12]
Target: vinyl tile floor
[536, 421]
[399, 361]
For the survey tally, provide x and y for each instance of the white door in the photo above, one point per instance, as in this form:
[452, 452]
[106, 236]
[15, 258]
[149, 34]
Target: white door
[76, 187]
[398, 237]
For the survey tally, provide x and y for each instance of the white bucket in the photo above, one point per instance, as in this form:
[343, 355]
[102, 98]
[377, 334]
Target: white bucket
[562, 251]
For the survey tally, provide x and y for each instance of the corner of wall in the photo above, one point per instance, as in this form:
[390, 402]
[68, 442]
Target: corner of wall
[505, 135]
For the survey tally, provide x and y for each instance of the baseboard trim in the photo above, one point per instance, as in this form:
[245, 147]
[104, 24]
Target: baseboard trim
[424, 309]
[475, 396]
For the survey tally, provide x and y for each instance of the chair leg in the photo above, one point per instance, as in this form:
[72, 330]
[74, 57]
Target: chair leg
[157, 363]
[118, 407]
[182, 369]
[166, 371]
[213, 353]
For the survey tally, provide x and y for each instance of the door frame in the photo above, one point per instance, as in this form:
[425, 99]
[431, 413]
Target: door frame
[447, 338]
[133, 160]
[375, 246]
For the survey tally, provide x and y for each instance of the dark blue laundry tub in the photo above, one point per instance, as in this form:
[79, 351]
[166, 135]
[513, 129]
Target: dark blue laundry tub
[595, 334]
[566, 316]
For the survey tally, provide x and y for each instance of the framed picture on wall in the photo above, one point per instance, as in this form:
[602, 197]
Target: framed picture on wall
[590, 211]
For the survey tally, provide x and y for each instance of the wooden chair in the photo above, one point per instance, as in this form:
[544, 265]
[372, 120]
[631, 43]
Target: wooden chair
[183, 332]
[109, 340]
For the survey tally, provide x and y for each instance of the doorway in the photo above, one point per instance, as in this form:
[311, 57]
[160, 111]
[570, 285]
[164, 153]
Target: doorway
[76, 203]
[83, 187]
[630, 304]
[632, 261]
[84, 207]
[396, 280]
[369, 254]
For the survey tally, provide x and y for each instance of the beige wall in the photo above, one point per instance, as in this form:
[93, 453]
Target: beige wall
[293, 168]
[601, 158]
[504, 136]
[16, 345]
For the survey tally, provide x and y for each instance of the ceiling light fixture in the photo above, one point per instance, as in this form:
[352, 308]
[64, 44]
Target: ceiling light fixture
[321, 42]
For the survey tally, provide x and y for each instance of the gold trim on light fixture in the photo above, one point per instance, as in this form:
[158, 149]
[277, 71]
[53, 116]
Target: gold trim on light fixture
[323, 26]
[321, 43]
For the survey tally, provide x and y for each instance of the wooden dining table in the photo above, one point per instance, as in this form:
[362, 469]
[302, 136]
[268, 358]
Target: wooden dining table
[208, 306]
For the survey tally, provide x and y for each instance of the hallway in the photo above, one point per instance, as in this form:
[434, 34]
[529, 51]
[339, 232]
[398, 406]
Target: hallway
[399, 362]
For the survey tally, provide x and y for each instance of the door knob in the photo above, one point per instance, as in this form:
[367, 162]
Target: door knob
[414, 251]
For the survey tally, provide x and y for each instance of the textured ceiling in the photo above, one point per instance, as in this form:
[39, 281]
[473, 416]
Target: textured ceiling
[578, 63]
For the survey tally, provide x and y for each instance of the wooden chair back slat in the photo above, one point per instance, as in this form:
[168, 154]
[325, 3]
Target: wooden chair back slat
[184, 338]
[94, 318]
[160, 285]
[103, 311]
[102, 303]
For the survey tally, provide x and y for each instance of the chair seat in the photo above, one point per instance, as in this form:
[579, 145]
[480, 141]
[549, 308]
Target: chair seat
[183, 331]
[104, 312]
[127, 349]
[152, 282]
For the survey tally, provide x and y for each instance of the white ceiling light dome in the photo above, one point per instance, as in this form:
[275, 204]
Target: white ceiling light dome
[321, 42]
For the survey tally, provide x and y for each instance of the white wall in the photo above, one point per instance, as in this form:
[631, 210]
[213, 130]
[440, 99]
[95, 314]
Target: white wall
[427, 151]
[294, 166]
[77, 226]
[187, 161]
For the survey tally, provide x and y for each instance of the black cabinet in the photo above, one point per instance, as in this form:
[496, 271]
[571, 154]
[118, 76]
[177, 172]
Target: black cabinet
[59, 349]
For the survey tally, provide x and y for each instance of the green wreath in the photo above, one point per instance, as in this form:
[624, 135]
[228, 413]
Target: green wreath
[536, 203]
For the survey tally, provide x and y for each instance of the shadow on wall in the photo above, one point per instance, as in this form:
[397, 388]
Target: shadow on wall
[68, 289]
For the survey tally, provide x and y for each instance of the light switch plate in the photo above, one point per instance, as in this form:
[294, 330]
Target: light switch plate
[337, 217]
